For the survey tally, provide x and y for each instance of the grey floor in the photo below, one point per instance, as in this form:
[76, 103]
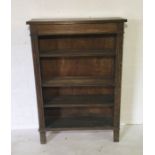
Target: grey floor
[95, 142]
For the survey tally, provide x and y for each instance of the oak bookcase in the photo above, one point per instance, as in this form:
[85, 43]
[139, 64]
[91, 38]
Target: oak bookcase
[77, 66]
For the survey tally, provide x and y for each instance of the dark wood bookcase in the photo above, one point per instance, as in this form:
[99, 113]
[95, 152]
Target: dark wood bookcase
[77, 65]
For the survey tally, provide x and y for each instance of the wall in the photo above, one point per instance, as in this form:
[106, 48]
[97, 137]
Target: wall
[24, 112]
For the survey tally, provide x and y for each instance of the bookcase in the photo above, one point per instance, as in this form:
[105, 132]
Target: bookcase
[77, 66]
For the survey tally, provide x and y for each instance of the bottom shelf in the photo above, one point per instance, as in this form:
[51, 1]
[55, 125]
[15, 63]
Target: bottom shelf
[79, 122]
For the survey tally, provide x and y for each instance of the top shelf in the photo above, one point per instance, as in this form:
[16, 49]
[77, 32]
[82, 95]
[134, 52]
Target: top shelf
[75, 20]
[77, 53]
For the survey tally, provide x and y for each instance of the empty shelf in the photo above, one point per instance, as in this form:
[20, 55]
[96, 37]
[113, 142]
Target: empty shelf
[76, 53]
[78, 122]
[80, 101]
[78, 81]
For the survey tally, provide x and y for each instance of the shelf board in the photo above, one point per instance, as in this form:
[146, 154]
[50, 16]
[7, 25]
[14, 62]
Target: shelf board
[78, 122]
[80, 101]
[76, 53]
[72, 81]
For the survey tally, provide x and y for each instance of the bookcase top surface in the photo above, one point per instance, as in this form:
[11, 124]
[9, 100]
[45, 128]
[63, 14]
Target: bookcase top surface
[75, 20]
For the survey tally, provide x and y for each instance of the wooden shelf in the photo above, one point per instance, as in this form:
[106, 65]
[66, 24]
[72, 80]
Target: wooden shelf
[75, 62]
[80, 101]
[78, 122]
[77, 53]
[78, 81]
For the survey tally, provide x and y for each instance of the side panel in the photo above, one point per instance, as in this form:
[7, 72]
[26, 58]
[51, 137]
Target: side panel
[36, 63]
[118, 76]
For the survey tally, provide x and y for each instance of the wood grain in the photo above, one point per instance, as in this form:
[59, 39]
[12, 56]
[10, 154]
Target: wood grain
[78, 67]
[77, 42]
[62, 67]
[79, 101]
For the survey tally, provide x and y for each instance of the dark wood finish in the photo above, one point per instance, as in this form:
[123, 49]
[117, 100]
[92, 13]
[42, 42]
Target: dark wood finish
[76, 112]
[36, 61]
[77, 66]
[93, 127]
[79, 101]
[78, 81]
[80, 67]
[73, 122]
[78, 42]
[61, 91]
[77, 53]
[118, 75]
[76, 20]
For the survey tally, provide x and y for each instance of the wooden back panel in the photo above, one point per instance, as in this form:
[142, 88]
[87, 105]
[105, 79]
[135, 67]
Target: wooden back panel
[82, 42]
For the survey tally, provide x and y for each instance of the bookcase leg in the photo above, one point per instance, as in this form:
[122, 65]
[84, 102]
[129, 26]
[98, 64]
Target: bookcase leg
[42, 137]
[116, 135]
